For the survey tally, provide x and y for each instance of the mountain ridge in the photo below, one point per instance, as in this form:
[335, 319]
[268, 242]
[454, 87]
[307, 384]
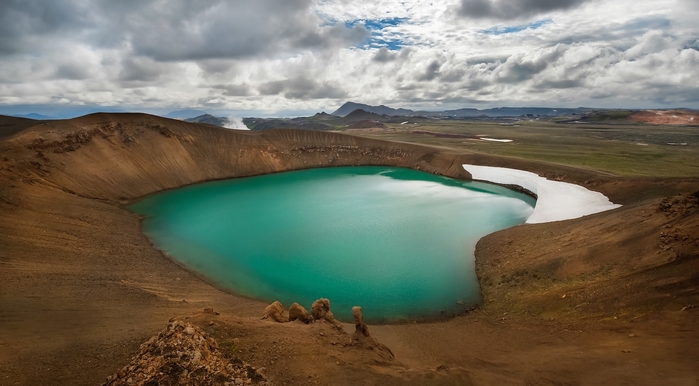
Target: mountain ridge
[494, 112]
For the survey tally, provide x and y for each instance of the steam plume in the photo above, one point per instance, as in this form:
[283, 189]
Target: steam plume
[235, 123]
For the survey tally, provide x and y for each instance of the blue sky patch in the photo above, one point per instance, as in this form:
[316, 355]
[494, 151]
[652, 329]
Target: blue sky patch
[503, 29]
[378, 37]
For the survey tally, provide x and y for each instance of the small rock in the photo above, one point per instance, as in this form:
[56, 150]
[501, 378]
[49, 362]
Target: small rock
[238, 381]
[632, 335]
[563, 297]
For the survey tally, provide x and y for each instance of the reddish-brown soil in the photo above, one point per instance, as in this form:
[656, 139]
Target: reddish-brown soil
[605, 299]
[666, 117]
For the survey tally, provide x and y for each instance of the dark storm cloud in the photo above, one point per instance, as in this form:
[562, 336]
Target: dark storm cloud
[301, 88]
[692, 45]
[512, 9]
[431, 72]
[140, 70]
[219, 29]
[24, 22]
[72, 71]
[173, 30]
[518, 71]
[519, 68]
[272, 88]
[236, 89]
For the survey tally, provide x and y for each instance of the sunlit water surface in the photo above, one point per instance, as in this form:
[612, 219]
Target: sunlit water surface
[397, 242]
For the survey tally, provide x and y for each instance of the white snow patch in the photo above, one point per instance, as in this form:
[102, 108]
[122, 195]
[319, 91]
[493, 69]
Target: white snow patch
[403, 123]
[496, 140]
[556, 200]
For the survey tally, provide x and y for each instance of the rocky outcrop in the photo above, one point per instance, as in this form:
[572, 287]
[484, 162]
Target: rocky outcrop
[297, 312]
[275, 311]
[363, 338]
[680, 205]
[361, 328]
[182, 354]
[320, 309]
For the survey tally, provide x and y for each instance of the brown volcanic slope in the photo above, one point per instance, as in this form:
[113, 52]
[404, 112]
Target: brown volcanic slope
[10, 126]
[81, 287]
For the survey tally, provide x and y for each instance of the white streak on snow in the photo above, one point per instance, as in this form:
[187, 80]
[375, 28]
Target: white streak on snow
[556, 200]
[496, 140]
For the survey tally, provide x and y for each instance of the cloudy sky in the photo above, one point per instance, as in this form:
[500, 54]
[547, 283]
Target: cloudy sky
[291, 57]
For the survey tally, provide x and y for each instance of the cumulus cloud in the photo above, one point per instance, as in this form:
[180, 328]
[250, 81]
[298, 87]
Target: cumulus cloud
[174, 30]
[310, 55]
[302, 88]
[383, 55]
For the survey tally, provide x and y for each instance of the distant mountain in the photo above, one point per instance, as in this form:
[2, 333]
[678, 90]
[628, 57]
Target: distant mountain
[186, 113]
[362, 115]
[36, 116]
[349, 107]
[209, 119]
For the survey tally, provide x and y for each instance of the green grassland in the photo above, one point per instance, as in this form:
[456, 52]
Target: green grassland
[619, 149]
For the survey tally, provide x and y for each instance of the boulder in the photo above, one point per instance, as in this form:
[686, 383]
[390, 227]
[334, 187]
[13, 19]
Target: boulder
[320, 308]
[297, 312]
[275, 311]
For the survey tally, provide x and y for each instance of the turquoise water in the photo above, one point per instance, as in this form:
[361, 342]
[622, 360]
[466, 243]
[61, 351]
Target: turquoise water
[397, 242]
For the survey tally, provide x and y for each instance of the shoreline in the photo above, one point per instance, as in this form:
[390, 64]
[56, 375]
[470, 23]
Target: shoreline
[556, 200]
[435, 317]
[82, 287]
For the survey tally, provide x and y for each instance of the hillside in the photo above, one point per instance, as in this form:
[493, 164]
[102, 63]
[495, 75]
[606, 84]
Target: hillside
[592, 300]
[349, 107]
[209, 120]
[10, 126]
